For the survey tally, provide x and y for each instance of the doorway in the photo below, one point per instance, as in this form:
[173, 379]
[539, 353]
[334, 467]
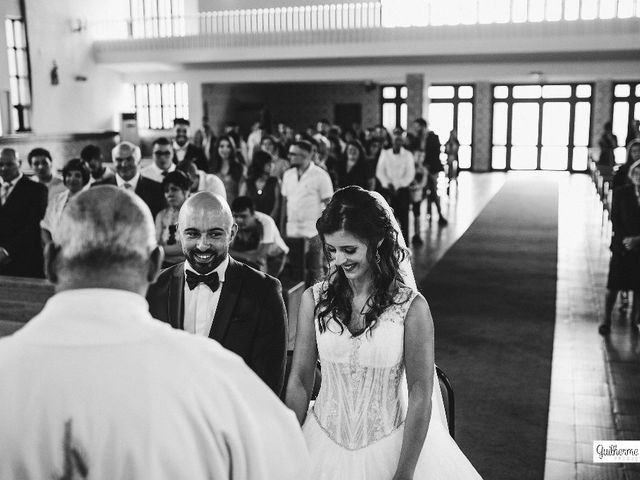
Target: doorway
[541, 127]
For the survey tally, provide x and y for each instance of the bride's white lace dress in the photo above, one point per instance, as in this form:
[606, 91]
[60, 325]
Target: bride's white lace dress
[354, 430]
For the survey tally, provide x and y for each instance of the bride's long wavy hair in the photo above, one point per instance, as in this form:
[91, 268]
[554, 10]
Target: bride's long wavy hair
[356, 211]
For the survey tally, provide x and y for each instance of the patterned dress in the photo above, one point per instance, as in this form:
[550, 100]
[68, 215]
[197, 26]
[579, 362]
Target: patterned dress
[355, 428]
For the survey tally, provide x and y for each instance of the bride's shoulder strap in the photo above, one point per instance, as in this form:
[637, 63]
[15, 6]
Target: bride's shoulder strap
[318, 289]
[404, 298]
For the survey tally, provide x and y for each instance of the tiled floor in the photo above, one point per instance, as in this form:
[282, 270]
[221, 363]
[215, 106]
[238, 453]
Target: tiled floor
[595, 382]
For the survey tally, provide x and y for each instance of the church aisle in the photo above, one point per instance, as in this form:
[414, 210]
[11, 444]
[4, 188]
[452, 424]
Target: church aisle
[595, 382]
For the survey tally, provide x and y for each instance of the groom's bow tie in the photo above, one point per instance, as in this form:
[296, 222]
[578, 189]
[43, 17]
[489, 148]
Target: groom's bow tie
[210, 279]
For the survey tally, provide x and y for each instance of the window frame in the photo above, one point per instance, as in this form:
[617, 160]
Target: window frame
[456, 101]
[158, 22]
[573, 99]
[398, 101]
[631, 101]
[21, 112]
[149, 114]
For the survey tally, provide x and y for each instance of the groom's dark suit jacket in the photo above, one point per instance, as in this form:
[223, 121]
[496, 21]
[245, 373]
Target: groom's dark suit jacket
[251, 319]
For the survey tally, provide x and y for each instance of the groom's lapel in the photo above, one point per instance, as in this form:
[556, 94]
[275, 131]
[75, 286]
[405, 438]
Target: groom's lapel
[176, 298]
[228, 297]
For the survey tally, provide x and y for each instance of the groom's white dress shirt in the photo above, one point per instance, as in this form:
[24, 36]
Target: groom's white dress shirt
[200, 304]
[94, 385]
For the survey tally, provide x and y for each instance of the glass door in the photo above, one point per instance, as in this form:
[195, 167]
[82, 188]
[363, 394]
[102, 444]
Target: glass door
[541, 127]
[626, 115]
[451, 107]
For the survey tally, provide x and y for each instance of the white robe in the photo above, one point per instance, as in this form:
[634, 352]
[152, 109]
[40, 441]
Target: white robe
[94, 383]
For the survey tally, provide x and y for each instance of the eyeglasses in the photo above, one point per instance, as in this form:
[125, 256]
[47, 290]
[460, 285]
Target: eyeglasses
[125, 159]
[160, 153]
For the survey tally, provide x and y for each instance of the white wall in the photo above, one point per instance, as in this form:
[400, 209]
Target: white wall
[72, 106]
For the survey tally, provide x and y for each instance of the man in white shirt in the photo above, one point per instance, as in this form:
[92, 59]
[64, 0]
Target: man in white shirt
[42, 164]
[162, 162]
[201, 181]
[94, 387]
[395, 172]
[92, 155]
[215, 296]
[258, 242]
[306, 190]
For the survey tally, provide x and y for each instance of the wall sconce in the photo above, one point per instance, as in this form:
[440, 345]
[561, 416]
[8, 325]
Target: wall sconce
[78, 25]
[537, 77]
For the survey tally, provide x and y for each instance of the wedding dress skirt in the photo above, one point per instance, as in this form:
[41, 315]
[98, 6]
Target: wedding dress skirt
[355, 428]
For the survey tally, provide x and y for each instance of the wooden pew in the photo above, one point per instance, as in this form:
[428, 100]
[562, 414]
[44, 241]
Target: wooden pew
[20, 300]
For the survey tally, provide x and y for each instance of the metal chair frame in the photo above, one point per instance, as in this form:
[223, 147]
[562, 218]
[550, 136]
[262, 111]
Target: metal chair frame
[444, 381]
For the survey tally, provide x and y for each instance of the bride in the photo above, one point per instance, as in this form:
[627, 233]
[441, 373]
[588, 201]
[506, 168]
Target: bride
[379, 412]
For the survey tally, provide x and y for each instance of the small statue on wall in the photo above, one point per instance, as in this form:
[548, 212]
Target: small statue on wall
[54, 74]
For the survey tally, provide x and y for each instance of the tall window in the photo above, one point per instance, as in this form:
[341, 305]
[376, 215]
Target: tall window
[19, 75]
[157, 18]
[541, 127]
[394, 106]
[451, 108]
[626, 111]
[158, 104]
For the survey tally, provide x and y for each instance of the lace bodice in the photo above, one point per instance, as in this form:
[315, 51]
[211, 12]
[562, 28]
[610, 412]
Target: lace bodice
[363, 396]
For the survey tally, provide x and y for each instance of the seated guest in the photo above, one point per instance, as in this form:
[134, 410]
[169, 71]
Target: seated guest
[201, 181]
[176, 189]
[262, 187]
[92, 155]
[258, 242]
[162, 163]
[22, 206]
[114, 394]
[41, 163]
[215, 296]
[76, 176]
[185, 150]
[127, 158]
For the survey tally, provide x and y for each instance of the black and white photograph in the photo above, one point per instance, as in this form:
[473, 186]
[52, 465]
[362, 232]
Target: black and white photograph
[323, 240]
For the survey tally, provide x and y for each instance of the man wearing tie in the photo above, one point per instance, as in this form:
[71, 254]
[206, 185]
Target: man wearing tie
[213, 295]
[22, 206]
[127, 158]
[162, 163]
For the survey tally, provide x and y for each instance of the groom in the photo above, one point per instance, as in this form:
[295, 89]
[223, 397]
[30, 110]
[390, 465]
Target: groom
[213, 295]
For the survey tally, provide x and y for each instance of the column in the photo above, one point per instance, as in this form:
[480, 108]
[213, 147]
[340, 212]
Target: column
[415, 97]
[482, 118]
